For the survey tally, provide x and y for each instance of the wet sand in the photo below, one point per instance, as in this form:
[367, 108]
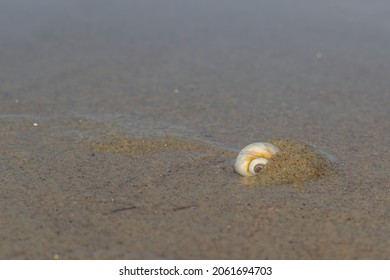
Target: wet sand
[120, 122]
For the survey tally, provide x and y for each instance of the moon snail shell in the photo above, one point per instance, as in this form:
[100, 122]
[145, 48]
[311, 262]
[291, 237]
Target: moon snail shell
[253, 158]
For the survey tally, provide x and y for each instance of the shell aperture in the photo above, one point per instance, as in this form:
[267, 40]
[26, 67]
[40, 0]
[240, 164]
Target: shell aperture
[253, 158]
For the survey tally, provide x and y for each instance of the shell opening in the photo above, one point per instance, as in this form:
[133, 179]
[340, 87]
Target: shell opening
[257, 165]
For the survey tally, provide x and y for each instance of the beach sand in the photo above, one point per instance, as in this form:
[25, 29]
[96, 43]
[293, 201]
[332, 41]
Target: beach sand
[120, 122]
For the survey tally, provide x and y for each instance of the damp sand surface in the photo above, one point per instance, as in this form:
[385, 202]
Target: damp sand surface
[118, 130]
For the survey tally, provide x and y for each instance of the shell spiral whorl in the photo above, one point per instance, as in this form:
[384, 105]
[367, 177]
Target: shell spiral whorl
[252, 158]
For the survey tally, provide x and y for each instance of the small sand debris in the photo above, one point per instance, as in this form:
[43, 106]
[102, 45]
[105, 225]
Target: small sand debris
[296, 163]
[123, 209]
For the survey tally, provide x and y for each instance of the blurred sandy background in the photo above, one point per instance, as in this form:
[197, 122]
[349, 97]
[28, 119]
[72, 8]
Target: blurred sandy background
[119, 121]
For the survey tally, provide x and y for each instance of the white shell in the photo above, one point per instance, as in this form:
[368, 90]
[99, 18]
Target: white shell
[250, 159]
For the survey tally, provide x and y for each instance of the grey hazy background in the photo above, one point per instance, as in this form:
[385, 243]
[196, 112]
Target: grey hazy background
[227, 48]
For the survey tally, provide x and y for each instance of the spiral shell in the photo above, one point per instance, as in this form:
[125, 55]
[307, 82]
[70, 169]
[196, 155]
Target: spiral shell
[252, 159]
